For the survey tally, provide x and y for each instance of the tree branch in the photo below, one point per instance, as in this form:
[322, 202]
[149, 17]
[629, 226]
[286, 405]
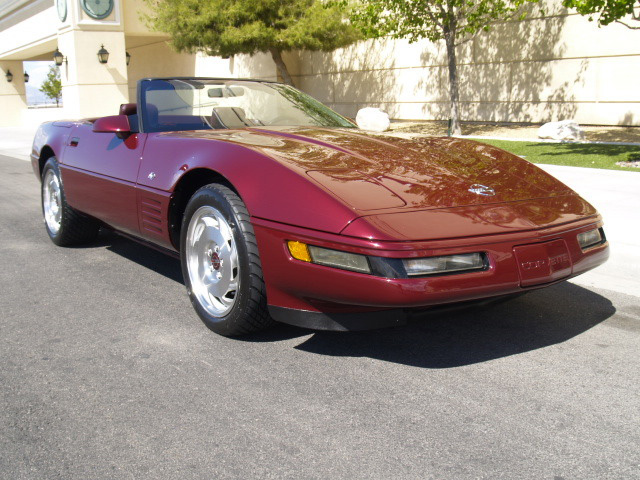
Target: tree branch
[281, 66]
[628, 26]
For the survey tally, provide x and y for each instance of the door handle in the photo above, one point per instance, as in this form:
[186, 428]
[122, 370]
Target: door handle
[74, 142]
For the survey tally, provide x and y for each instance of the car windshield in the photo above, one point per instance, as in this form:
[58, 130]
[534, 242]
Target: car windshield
[201, 104]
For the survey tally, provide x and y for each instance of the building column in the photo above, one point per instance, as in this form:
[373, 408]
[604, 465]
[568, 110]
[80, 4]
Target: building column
[13, 99]
[89, 88]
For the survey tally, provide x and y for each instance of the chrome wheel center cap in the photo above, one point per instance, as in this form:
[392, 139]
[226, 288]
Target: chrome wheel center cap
[216, 261]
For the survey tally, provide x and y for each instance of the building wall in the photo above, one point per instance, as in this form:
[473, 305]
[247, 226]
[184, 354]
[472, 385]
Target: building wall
[537, 70]
[157, 59]
[33, 27]
[12, 94]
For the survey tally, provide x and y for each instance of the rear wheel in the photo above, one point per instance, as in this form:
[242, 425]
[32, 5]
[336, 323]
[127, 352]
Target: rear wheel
[220, 263]
[64, 225]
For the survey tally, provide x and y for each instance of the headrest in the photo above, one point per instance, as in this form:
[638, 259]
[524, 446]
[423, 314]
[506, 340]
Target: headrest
[128, 109]
[230, 117]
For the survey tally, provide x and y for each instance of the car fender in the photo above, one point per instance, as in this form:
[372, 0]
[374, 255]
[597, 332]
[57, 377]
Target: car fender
[51, 136]
[269, 189]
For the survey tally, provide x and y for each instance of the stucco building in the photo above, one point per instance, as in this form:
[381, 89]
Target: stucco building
[544, 68]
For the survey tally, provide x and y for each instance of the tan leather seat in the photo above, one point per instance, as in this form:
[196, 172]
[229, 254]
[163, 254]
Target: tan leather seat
[230, 117]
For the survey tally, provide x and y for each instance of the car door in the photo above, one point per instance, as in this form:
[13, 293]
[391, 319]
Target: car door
[99, 172]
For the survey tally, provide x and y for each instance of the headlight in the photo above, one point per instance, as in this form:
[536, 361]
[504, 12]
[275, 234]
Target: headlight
[329, 258]
[445, 264]
[388, 267]
[590, 238]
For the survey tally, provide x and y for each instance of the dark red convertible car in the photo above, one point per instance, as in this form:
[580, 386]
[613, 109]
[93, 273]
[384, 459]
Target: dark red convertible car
[281, 209]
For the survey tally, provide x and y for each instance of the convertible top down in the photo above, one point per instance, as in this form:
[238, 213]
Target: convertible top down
[281, 209]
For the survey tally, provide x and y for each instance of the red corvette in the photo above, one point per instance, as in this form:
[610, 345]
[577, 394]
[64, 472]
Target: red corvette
[281, 209]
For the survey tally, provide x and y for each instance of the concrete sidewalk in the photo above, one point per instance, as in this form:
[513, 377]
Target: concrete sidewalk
[616, 194]
[16, 141]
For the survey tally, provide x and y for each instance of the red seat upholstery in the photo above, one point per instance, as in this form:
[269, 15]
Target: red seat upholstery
[128, 109]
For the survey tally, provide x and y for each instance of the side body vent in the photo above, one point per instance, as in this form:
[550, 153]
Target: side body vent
[151, 215]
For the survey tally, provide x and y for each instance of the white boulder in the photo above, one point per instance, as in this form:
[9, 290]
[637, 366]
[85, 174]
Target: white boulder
[373, 119]
[564, 130]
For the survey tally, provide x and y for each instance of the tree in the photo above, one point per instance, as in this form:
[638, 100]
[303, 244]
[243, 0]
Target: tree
[230, 27]
[453, 21]
[608, 11]
[52, 86]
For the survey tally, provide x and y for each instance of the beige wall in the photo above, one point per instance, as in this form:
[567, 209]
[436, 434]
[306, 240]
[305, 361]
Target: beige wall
[151, 55]
[156, 59]
[12, 94]
[259, 66]
[89, 88]
[538, 70]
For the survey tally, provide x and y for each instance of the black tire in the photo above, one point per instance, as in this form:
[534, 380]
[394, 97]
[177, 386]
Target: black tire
[74, 227]
[249, 311]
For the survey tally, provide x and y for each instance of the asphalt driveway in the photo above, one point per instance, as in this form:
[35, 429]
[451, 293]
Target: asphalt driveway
[108, 373]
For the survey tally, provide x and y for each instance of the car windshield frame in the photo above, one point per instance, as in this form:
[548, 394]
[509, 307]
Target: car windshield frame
[167, 93]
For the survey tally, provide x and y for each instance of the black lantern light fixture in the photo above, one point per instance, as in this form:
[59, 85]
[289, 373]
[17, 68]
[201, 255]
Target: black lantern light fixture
[9, 76]
[128, 58]
[26, 77]
[103, 55]
[59, 58]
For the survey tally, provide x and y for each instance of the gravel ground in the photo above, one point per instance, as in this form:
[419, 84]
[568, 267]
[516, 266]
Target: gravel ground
[516, 130]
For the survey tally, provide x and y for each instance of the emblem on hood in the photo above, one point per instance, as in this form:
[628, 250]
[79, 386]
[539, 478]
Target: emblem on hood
[482, 190]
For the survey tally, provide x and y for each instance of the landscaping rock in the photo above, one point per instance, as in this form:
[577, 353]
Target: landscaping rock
[631, 163]
[373, 119]
[564, 130]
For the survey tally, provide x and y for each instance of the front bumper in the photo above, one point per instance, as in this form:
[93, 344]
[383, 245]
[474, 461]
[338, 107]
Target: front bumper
[320, 297]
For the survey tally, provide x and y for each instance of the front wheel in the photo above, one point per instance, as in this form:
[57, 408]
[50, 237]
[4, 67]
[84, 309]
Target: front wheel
[220, 263]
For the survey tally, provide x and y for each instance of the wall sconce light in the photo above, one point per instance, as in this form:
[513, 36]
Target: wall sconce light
[26, 77]
[59, 58]
[9, 76]
[128, 58]
[103, 55]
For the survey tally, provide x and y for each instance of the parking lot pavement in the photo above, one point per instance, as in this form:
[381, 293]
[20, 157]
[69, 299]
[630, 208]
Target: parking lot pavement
[108, 373]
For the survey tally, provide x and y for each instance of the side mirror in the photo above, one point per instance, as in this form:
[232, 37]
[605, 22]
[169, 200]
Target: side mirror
[113, 124]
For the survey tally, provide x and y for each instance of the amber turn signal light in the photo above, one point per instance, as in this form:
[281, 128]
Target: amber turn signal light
[299, 250]
[329, 257]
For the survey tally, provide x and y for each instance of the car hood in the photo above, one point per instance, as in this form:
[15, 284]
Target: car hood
[371, 172]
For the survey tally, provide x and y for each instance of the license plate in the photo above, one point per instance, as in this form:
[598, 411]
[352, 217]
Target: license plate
[542, 262]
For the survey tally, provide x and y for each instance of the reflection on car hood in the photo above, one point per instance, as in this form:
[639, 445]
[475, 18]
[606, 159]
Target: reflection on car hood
[375, 172]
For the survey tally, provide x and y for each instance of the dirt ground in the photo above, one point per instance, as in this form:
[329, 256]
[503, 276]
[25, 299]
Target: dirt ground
[516, 130]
